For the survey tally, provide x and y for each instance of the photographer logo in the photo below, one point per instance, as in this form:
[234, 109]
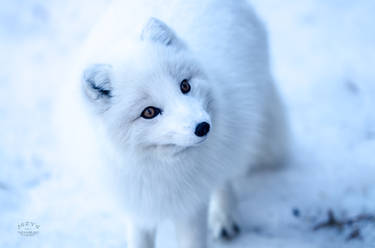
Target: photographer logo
[28, 228]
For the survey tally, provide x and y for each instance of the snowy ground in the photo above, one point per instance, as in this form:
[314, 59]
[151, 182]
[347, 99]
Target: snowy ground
[323, 60]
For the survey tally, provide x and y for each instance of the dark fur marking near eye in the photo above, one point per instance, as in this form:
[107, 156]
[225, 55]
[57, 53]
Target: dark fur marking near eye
[97, 82]
[102, 92]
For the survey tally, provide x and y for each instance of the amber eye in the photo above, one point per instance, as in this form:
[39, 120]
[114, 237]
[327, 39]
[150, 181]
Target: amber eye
[150, 112]
[185, 86]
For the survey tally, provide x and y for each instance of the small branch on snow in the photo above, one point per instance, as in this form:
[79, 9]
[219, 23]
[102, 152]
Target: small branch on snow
[355, 234]
[333, 222]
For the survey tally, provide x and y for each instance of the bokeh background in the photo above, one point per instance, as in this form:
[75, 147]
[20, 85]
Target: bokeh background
[323, 59]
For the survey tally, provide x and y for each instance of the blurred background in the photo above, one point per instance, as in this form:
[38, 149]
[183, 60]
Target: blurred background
[323, 59]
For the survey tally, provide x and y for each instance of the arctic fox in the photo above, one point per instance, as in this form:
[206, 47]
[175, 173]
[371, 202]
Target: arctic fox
[185, 95]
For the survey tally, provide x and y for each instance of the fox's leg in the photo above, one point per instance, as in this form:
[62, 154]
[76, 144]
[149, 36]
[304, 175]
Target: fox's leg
[192, 231]
[221, 213]
[140, 237]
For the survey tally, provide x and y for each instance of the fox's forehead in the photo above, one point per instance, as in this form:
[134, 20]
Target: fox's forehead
[156, 68]
[155, 60]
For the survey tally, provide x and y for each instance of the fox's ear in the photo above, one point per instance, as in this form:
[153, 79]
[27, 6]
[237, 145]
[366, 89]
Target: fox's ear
[157, 31]
[97, 84]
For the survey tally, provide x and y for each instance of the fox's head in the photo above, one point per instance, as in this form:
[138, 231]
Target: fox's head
[156, 99]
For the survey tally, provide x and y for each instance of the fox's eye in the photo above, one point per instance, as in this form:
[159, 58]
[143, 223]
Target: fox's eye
[150, 112]
[185, 86]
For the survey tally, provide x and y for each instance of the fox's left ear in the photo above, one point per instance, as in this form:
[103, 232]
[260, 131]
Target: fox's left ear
[97, 85]
[157, 31]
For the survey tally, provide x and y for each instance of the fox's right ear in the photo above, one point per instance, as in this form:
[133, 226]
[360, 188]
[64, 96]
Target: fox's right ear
[97, 84]
[157, 31]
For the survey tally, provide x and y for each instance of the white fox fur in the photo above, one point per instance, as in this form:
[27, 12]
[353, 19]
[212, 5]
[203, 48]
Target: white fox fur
[135, 57]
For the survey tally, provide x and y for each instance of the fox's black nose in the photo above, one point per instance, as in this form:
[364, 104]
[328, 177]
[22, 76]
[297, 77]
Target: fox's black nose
[202, 129]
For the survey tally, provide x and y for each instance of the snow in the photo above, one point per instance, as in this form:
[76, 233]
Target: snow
[323, 55]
